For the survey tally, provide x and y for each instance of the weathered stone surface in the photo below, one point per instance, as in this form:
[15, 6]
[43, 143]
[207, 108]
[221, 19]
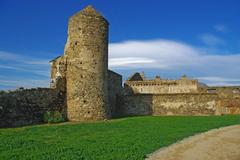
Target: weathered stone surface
[170, 104]
[184, 104]
[92, 91]
[27, 106]
[86, 53]
[83, 88]
[114, 92]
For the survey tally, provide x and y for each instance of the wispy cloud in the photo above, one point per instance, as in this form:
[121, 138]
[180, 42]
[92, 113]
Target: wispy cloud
[211, 40]
[220, 81]
[26, 83]
[220, 28]
[23, 63]
[23, 71]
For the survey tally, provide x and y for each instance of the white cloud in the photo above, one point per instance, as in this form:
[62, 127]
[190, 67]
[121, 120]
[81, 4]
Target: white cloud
[130, 61]
[220, 28]
[211, 40]
[150, 54]
[173, 56]
[160, 55]
[165, 54]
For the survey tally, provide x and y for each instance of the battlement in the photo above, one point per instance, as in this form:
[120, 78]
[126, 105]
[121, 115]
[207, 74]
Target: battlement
[161, 82]
[137, 83]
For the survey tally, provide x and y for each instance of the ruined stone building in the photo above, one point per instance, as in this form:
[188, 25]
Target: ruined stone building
[137, 84]
[93, 92]
[184, 96]
[83, 88]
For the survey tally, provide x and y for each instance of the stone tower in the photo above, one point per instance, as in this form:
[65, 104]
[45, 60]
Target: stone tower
[86, 55]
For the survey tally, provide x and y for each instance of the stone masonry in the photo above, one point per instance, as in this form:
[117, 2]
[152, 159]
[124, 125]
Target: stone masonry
[28, 106]
[86, 53]
[95, 93]
[82, 72]
[82, 87]
[177, 97]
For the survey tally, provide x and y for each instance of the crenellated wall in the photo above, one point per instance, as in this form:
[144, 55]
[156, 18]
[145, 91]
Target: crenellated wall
[159, 86]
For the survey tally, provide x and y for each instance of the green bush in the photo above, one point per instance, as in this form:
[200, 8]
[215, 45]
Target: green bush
[53, 117]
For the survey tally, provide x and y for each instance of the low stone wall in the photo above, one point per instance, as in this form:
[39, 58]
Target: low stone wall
[170, 104]
[24, 107]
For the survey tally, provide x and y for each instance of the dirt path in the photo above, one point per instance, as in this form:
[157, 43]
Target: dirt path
[217, 144]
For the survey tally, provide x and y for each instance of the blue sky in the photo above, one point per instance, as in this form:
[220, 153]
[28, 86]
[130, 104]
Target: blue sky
[200, 38]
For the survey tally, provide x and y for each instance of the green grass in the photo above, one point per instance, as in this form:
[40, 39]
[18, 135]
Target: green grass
[127, 138]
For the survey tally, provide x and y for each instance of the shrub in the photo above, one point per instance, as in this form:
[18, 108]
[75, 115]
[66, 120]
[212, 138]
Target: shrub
[53, 117]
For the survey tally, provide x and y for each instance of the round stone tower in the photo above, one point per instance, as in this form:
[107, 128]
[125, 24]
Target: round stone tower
[86, 53]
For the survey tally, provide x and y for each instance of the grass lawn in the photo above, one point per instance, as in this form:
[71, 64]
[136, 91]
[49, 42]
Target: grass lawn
[127, 138]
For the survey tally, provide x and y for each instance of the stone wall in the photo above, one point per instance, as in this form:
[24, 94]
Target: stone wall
[114, 92]
[229, 106]
[27, 106]
[229, 99]
[185, 104]
[137, 105]
[170, 104]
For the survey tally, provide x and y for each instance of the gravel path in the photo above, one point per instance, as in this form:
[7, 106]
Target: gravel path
[217, 144]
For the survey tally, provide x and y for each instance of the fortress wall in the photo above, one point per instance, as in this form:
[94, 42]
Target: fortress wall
[229, 99]
[170, 104]
[114, 92]
[184, 104]
[137, 105]
[229, 106]
[24, 107]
